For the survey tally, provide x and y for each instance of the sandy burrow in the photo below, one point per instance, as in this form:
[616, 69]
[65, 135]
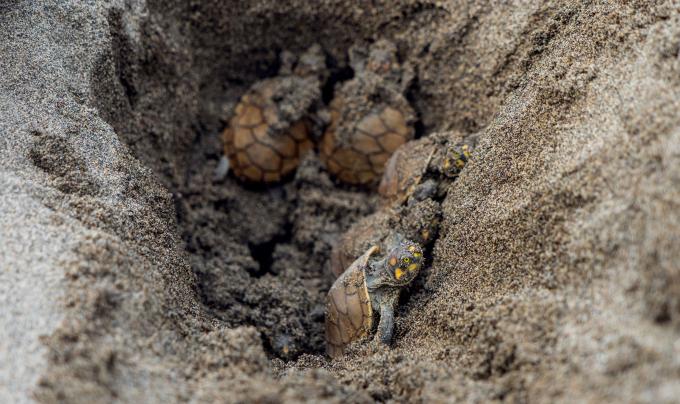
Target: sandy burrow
[555, 277]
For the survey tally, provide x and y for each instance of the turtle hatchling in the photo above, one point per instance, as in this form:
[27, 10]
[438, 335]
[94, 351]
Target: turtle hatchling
[369, 116]
[271, 125]
[369, 288]
[443, 155]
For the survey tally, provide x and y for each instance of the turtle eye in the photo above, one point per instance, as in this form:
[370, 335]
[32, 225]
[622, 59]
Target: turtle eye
[405, 260]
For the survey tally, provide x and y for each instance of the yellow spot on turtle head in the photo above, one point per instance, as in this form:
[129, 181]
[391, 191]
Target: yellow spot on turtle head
[398, 273]
[412, 248]
[412, 267]
[393, 261]
[417, 254]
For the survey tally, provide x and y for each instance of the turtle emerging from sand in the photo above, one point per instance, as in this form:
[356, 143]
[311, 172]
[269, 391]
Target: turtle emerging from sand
[404, 171]
[272, 123]
[369, 116]
[369, 288]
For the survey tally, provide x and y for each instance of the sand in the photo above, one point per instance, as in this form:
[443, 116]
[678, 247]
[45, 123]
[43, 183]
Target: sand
[128, 274]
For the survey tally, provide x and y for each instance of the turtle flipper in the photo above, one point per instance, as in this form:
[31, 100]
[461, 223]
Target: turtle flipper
[386, 326]
[222, 169]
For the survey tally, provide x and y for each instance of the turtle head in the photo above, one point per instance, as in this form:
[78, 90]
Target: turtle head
[312, 63]
[382, 58]
[403, 262]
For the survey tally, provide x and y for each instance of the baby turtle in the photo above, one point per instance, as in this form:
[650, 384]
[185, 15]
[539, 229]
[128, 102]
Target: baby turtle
[443, 155]
[270, 128]
[369, 116]
[370, 286]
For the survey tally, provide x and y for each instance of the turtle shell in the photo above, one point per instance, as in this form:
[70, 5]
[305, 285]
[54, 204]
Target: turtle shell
[405, 169]
[366, 232]
[349, 315]
[259, 146]
[444, 154]
[359, 156]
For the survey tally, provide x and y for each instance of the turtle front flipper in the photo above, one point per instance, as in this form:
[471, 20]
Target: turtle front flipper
[386, 325]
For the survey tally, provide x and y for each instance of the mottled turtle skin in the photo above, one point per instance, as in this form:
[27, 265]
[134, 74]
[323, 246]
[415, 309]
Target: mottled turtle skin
[270, 128]
[370, 287]
[369, 117]
[457, 157]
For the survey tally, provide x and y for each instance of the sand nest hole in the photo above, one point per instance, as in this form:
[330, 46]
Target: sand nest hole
[260, 253]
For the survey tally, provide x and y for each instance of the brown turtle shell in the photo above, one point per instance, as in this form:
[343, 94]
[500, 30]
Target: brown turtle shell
[405, 169]
[368, 231]
[349, 315]
[257, 151]
[360, 157]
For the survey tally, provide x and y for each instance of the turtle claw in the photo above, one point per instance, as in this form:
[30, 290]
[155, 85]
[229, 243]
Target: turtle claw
[376, 346]
[221, 170]
[319, 121]
[322, 117]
